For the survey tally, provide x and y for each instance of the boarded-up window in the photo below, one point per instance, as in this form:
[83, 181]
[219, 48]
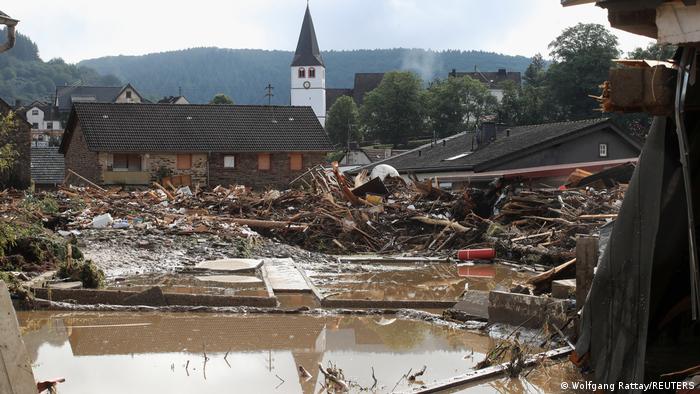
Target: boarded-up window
[184, 162]
[229, 161]
[264, 161]
[126, 162]
[296, 161]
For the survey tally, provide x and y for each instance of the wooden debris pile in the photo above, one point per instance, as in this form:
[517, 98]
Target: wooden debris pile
[333, 214]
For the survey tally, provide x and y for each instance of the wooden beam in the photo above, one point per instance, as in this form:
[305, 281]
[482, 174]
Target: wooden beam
[489, 372]
[16, 376]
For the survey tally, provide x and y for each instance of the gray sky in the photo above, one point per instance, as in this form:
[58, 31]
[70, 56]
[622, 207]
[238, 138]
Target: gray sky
[83, 29]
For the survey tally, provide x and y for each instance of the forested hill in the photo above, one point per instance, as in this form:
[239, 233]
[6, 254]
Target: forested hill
[243, 74]
[24, 76]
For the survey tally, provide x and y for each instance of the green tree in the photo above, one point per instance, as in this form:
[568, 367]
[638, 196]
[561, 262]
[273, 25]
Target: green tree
[534, 92]
[393, 112]
[456, 103]
[343, 121]
[220, 98]
[512, 106]
[653, 51]
[582, 56]
[8, 154]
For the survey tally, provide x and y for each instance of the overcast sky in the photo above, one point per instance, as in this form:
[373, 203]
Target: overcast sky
[83, 29]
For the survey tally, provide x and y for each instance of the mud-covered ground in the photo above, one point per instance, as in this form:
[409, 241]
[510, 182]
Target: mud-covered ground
[127, 252]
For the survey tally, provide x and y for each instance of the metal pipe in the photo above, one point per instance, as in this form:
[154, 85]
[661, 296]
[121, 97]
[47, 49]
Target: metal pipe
[688, 58]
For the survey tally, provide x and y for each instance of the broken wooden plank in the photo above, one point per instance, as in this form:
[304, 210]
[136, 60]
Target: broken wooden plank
[489, 372]
[15, 366]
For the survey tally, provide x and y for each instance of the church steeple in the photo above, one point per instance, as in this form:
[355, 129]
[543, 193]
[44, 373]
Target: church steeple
[307, 53]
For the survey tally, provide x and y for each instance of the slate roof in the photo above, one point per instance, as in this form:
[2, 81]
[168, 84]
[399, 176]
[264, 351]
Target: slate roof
[334, 94]
[491, 78]
[99, 94]
[522, 139]
[365, 83]
[140, 127]
[48, 166]
[307, 53]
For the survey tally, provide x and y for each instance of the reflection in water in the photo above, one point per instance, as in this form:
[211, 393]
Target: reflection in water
[164, 353]
[444, 282]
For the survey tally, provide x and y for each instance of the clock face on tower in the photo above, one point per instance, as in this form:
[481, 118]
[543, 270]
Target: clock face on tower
[307, 84]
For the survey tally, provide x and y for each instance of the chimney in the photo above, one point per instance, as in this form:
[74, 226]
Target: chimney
[18, 103]
[502, 72]
[488, 133]
[453, 73]
[354, 145]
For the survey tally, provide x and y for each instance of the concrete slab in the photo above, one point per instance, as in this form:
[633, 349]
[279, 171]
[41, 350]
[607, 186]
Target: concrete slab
[231, 279]
[473, 306]
[524, 309]
[283, 276]
[564, 288]
[391, 259]
[15, 367]
[230, 265]
[65, 285]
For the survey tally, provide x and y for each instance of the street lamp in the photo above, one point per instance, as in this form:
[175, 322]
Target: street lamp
[11, 34]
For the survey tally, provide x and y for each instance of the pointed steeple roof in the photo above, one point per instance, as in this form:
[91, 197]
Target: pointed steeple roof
[307, 53]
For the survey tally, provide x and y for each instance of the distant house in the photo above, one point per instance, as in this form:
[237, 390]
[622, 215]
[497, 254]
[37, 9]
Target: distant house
[363, 84]
[134, 144]
[492, 80]
[19, 175]
[173, 100]
[537, 153]
[357, 156]
[66, 96]
[45, 121]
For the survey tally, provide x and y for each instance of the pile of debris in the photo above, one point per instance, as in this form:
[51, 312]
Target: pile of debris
[332, 214]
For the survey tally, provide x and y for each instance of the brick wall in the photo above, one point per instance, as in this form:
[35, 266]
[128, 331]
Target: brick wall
[198, 170]
[81, 160]
[246, 171]
[19, 175]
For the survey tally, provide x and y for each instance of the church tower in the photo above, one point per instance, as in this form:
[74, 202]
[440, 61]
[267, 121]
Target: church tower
[309, 71]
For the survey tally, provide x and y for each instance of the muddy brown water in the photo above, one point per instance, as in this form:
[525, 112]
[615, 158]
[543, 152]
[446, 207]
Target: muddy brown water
[164, 353]
[444, 282]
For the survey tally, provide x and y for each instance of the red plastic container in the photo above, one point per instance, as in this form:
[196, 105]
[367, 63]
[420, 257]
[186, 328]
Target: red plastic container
[476, 254]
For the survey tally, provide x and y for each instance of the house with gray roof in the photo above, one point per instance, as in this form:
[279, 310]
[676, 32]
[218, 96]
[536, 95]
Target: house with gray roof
[536, 152]
[66, 96]
[192, 144]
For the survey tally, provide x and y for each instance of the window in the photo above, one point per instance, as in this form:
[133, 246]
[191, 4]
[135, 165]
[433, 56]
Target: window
[35, 125]
[302, 72]
[264, 161]
[128, 94]
[603, 150]
[295, 161]
[49, 125]
[184, 162]
[126, 162]
[35, 112]
[229, 161]
[312, 72]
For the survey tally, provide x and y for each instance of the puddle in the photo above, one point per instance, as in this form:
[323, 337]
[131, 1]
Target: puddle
[148, 353]
[182, 283]
[435, 282]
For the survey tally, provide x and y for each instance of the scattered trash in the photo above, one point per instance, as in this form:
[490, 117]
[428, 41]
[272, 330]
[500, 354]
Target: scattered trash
[101, 221]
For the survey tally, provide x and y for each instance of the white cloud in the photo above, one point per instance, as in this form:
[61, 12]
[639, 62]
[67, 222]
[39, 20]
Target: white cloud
[80, 29]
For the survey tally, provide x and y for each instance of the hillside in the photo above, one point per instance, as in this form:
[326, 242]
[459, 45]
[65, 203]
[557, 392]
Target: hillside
[243, 73]
[24, 76]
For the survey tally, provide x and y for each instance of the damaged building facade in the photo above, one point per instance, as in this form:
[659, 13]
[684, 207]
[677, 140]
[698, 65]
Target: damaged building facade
[206, 145]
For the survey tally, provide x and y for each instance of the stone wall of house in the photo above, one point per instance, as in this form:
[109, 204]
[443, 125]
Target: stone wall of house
[198, 172]
[19, 175]
[81, 160]
[246, 170]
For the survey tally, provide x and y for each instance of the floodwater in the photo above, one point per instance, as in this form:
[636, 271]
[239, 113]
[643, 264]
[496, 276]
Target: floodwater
[165, 353]
[183, 283]
[433, 282]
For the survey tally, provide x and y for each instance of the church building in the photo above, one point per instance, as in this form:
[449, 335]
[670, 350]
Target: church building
[309, 72]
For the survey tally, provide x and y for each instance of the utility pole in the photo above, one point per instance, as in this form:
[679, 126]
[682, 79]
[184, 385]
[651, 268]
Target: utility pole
[269, 93]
